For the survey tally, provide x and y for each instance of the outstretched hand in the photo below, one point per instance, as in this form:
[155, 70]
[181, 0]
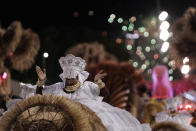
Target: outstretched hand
[99, 75]
[41, 74]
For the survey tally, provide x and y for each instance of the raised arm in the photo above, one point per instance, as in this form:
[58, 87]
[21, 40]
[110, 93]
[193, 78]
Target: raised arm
[41, 79]
[98, 79]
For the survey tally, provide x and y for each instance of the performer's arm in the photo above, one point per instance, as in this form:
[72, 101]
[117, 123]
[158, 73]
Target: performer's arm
[100, 75]
[41, 79]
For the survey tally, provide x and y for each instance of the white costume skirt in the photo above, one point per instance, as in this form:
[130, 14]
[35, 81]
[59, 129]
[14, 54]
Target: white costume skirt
[114, 119]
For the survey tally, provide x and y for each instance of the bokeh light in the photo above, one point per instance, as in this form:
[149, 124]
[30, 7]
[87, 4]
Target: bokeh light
[185, 69]
[135, 64]
[118, 40]
[146, 34]
[129, 47]
[165, 47]
[163, 15]
[133, 18]
[164, 25]
[91, 13]
[147, 49]
[45, 54]
[156, 56]
[4, 76]
[153, 41]
[170, 71]
[185, 60]
[11, 53]
[130, 28]
[141, 29]
[165, 59]
[120, 20]
[171, 78]
[144, 66]
[113, 16]
[110, 20]
[124, 28]
[164, 35]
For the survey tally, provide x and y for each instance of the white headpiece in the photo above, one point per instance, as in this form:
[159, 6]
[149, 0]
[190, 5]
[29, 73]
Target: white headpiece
[72, 67]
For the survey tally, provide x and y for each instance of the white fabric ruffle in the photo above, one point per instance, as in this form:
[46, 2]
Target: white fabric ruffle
[27, 90]
[114, 119]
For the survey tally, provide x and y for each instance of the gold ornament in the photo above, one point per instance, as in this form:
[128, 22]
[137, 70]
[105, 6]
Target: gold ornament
[72, 88]
[100, 83]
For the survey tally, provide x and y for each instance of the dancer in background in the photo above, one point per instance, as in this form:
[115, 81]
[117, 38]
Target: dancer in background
[161, 86]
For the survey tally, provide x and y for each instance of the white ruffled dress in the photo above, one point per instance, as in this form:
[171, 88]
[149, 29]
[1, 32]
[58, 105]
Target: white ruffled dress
[114, 119]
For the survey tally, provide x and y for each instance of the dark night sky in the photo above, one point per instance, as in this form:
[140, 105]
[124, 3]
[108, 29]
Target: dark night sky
[36, 14]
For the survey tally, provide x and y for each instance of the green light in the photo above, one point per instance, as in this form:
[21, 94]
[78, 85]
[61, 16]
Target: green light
[146, 34]
[135, 64]
[129, 47]
[130, 20]
[153, 41]
[171, 78]
[170, 63]
[124, 28]
[120, 20]
[91, 13]
[144, 66]
[170, 71]
[130, 28]
[147, 49]
[110, 20]
[131, 24]
[141, 29]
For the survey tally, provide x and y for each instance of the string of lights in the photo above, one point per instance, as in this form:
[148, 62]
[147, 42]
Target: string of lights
[147, 45]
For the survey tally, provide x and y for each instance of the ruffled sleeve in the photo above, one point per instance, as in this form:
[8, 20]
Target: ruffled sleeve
[91, 90]
[52, 89]
[27, 90]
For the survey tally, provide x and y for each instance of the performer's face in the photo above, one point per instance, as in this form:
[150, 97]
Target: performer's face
[71, 81]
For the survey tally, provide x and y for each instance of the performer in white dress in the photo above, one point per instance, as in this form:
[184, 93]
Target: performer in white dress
[75, 87]
[171, 114]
